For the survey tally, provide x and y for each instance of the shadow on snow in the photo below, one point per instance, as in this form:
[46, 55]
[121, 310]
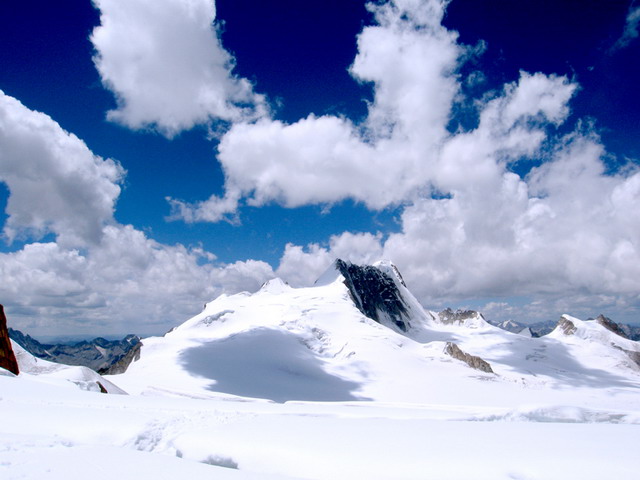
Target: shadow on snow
[269, 364]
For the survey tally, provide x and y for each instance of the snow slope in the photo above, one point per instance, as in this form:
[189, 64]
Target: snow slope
[60, 433]
[64, 375]
[299, 383]
[313, 344]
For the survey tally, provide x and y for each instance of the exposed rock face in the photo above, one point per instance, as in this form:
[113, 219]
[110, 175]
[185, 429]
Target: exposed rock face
[121, 365]
[98, 354]
[448, 316]
[375, 294]
[567, 326]
[102, 389]
[611, 326]
[7, 357]
[473, 361]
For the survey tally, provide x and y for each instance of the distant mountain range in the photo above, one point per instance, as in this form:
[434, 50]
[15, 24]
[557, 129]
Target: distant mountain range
[103, 356]
[378, 291]
[541, 329]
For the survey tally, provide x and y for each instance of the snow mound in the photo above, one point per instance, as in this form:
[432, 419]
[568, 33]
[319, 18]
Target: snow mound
[274, 286]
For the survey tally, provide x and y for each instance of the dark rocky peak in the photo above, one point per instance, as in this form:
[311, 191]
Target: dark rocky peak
[8, 359]
[130, 340]
[448, 316]
[29, 343]
[611, 326]
[101, 342]
[376, 294]
[121, 364]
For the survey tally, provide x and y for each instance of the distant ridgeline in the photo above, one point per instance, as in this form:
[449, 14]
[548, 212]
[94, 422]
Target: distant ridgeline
[104, 356]
[540, 329]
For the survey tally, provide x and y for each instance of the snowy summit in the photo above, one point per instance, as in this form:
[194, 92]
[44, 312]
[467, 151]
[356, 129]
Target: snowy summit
[278, 381]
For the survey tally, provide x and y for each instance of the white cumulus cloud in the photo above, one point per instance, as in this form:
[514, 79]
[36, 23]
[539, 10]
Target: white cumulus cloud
[57, 185]
[470, 226]
[300, 267]
[127, 283]
[164, 62]
[411, 60]
[98, 276]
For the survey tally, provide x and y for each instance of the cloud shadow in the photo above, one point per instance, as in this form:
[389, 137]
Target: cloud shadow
[269, 364]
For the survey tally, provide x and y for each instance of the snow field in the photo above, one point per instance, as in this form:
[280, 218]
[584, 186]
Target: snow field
[297, 383]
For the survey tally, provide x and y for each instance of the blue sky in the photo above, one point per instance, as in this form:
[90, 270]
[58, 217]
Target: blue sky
[187, 149]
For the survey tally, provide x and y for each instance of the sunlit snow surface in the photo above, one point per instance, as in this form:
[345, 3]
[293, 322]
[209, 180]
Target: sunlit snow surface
[297, 383]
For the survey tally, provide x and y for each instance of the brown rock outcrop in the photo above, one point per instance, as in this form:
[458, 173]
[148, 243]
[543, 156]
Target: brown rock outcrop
[473, 361]
[567, 326]
[7, 357]
[611, 326]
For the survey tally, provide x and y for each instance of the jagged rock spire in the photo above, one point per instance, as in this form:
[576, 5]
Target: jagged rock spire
[375, 294]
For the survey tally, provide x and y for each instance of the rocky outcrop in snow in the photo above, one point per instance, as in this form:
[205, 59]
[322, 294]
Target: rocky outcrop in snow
[566, 326]
[599, 333]
[7, 357]
[611, 326]
[121, 365]
[473, 361]
[466, 318]
[448, 316]
[376, 294]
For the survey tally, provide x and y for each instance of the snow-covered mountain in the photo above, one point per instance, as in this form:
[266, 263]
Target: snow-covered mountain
[539, 329]
[359, 334]
[348, 379]
[510, 326]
